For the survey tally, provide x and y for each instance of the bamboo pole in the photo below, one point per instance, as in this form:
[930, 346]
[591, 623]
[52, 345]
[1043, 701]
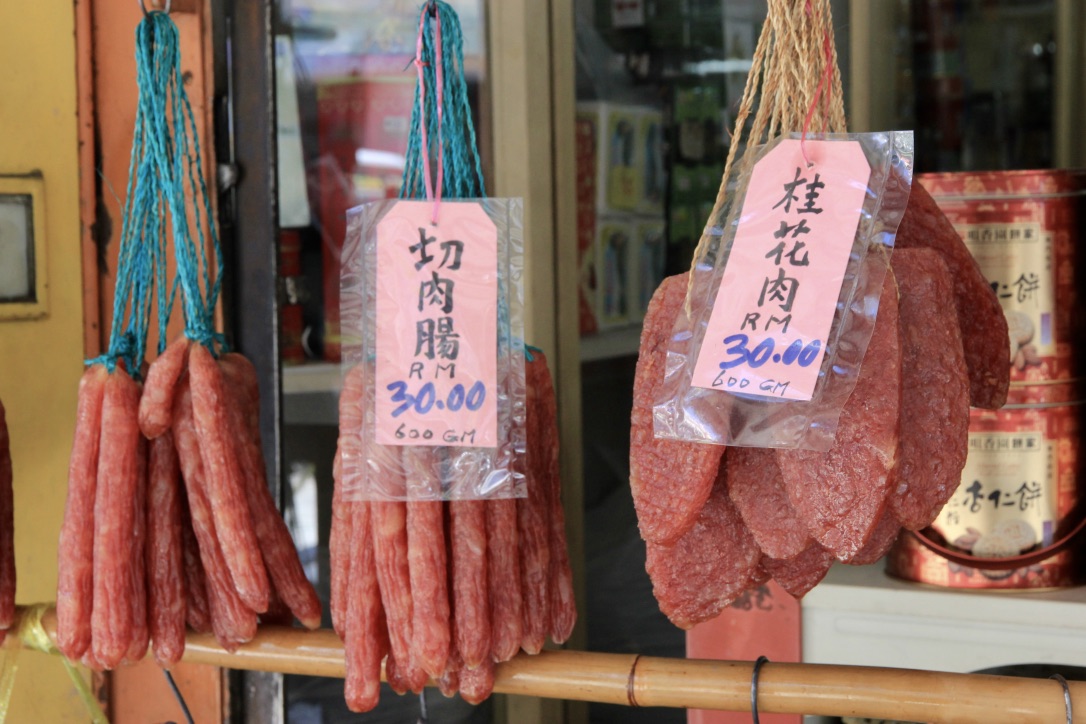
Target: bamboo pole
[634, 680]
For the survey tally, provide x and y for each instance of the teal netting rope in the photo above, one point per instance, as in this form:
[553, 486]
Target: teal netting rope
[463, 170]
[180, 173]
[165, 155]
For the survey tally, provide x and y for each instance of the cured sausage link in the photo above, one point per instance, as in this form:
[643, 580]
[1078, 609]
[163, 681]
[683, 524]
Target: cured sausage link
[197, 610]
[503, 578]
[224, 482]
[7, 528]
[231, 620]
[339, 557]
[165, 553]
[75, 579]
[477, 684]
[137, 565]
[563, 607]
[426, 563]
[156, 404]
[367, 635]
[280, 553]
[467, 537]
[390, 555]
[349, 444]
[119, 464]
[533, 513]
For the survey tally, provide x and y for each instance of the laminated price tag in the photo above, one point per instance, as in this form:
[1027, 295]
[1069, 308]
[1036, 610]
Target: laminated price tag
[437, 301]
[770, 321]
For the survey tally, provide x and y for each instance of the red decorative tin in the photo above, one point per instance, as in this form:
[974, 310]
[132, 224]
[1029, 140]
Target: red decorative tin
[1008, 523]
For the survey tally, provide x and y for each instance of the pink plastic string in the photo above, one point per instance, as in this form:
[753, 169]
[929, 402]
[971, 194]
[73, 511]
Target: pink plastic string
[431, 192]
[824, 81]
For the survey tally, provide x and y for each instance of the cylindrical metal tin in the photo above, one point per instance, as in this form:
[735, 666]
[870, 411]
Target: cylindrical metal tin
[1022, 480]
[1020, 491]
[1023, 228]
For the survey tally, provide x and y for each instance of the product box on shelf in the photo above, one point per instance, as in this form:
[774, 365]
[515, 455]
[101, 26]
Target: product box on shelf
[614, 274]
[585, 150]
[648, 256]
[629, 162]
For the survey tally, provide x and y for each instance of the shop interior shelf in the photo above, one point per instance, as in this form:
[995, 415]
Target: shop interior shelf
[611, 343]
[861, 616]
[311, 393]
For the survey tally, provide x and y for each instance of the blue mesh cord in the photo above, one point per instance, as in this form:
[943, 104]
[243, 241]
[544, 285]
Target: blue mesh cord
[165, 155]
[463, 169]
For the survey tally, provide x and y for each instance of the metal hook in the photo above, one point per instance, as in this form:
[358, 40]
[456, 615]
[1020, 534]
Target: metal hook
[761, 660]
[165, 10]
[424, 715]
[1066, 697]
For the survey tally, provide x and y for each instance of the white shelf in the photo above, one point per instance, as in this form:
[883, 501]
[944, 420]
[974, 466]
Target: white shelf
[312, 377]
[861, 616]
[311, 393]
[611, 344]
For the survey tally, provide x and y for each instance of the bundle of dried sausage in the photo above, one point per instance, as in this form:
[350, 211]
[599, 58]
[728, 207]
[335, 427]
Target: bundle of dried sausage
[898, 454]
[169, 519]
[446, 590]
[7, 528]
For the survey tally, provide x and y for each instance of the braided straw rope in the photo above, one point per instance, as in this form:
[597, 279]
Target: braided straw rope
[789, 64]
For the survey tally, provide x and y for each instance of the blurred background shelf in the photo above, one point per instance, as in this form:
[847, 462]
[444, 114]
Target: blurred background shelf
[311, 394]
[611, 344]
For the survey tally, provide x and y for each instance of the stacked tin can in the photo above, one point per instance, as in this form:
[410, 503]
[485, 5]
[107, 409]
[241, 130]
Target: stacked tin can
[1023, 481]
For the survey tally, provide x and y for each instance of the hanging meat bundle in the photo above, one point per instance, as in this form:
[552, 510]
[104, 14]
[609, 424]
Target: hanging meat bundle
[717, 522]
[446, 590]
[169, 519]
[7, 527]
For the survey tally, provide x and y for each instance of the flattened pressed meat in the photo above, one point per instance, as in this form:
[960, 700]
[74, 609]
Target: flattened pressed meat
[882, 538]
[670, 480]
[707, 568]
[801, 573]
[840, 494]
[757, 490]
[980, 316]
[935, 390]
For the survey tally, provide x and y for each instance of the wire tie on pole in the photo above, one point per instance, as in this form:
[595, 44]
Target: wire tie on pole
[761, 661]
[1066, 697]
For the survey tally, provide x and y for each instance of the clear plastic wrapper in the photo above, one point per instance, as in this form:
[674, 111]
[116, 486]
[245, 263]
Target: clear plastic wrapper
[686, 412]
[416, 470]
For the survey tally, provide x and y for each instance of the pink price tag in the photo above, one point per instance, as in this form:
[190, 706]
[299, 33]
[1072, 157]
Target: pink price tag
[437, 317]
[772, 315]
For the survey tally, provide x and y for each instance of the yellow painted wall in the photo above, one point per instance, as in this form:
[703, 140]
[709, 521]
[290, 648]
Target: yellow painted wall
[41, 360]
